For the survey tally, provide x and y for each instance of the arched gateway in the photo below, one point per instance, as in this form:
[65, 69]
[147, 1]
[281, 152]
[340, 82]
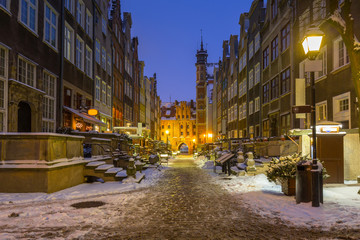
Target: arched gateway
[183, 148]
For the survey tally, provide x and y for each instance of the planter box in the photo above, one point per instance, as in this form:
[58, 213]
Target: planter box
[288, 187]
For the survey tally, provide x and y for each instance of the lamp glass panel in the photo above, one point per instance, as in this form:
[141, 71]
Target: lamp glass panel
[305, 46]
[314, 43]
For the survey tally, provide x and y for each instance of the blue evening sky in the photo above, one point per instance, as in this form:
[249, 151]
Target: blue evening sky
[169, 35]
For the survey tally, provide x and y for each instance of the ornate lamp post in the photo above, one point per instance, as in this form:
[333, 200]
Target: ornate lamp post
[311, 44]
[193, 145]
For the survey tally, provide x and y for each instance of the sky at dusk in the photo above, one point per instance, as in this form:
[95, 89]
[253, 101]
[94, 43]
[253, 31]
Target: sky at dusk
[169, 35]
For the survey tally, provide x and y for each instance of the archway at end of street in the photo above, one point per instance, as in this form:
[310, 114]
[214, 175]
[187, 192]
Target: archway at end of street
[183, 148]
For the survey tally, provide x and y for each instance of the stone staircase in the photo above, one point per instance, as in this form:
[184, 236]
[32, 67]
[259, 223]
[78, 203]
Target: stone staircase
[102, 167]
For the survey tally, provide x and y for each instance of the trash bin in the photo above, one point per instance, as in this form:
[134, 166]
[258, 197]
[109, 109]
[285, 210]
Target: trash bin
[303, 182]
[87, 150]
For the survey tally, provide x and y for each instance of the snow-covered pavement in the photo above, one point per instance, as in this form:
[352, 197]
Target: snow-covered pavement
[181, 201]
[341, 208]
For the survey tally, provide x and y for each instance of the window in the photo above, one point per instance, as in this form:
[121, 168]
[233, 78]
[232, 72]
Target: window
[285, 124]
[68, 43]
[109, 64]
[285, 37]
[274, 48]
[274, 9]
[341, 57]
[319, 10]
[103, 91]
[88, 61]
[48, 118]
[50, 21]
[80, 7]
[5, 4]
[97, 51]
[344, 104]
[251, 107]
[3, 61]
[304, 23]
[323, 57]
[274, 88]
[89, 23]
[321, 111]
[103, 58]
[257, 42]
[103, 24]
[266, 57]
[257, 73]
[108, 100]
[257, 104]
[266, 125]
[244, 110]
[26, 72]
[97, 88]
[266, 96]
[251, 50]
[285, 81]
[251, 78]
[28, 13]
[3, 73]
[79, 53]
[68, 5]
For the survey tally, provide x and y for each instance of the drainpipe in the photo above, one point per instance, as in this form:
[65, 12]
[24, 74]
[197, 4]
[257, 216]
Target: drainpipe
[61, 75]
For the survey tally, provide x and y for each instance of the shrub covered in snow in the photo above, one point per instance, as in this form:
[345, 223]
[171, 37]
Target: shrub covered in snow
[282, 168]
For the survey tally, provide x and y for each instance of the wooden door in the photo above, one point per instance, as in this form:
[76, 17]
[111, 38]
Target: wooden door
[330, 150]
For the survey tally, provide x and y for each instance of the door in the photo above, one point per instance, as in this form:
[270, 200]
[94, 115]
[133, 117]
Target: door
[330, 150]
[24, 117]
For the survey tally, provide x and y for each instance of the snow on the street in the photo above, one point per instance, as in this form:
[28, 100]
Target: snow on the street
[341, 206]
[54, 211]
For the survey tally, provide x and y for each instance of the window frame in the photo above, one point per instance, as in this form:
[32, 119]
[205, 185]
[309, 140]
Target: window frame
[51, 25]
[97, 88]
[79, 55]
[27, 23]
[285, 37]
[274, 86]
[274, 48]
[80, 13]
[49, 98]
[266, 57]
[88, 61]
[6, 7]
[70, 42]
[285, 77]
[88, 23]
[27, 63]
[97, 51]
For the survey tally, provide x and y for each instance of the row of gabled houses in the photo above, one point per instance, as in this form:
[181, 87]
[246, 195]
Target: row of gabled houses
[261, 74]
[60, 59]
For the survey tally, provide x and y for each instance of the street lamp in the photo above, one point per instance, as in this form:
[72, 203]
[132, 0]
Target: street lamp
[193, 145]
[210, 136]
[167, 138]
[311, 44]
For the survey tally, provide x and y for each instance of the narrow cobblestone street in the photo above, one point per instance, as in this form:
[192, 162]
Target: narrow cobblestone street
[186, 205]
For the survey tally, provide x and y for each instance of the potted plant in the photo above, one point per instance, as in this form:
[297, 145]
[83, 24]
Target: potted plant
[283, 170]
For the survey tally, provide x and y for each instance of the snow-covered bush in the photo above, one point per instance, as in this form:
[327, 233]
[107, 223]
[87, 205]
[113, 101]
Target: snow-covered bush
[280, 169]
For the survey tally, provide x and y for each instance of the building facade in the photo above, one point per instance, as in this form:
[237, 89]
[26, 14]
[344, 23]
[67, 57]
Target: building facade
[178, 125]
[271, 73]
[79, 55]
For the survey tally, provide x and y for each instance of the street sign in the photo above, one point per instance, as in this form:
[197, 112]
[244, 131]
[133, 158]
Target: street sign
[301, 109]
